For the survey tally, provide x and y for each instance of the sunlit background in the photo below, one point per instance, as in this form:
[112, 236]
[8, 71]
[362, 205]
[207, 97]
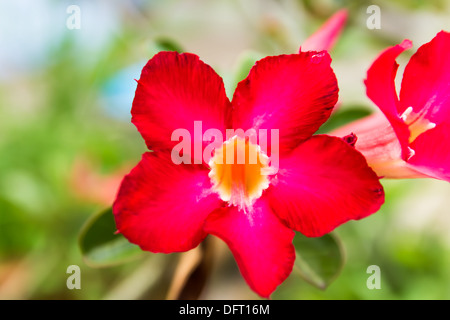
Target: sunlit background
[66, 140]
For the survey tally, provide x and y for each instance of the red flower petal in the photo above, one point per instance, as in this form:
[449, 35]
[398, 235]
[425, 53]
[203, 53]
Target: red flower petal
[432, 154]
[326, 36]
[174, 91]
[426, 80]
[380, 84]
[162, 207]
[260, 243]
[322, 184]
[293, 93]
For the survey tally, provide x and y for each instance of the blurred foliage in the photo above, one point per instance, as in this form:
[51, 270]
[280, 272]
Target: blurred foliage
[54, 116]
[319, 260]
[101, 246]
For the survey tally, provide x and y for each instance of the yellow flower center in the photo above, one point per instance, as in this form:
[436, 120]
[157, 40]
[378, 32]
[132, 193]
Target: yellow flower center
[239, 172]
[417, 123]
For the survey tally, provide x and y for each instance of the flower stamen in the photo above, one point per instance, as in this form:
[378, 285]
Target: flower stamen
[416, 122]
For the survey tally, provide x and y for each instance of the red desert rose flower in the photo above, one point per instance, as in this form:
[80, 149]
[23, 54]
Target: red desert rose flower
[321, 183]
[409, 139]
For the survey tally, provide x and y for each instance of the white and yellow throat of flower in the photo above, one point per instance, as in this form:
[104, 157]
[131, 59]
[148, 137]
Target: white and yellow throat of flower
[239, 172]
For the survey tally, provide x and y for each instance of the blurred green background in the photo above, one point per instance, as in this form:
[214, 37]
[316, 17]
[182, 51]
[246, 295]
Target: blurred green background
[66, 139]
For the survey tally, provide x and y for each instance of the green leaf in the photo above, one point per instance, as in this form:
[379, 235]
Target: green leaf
[342, 117]
[245, 62]
[166, 44]
[318, 260]
[101, 246]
